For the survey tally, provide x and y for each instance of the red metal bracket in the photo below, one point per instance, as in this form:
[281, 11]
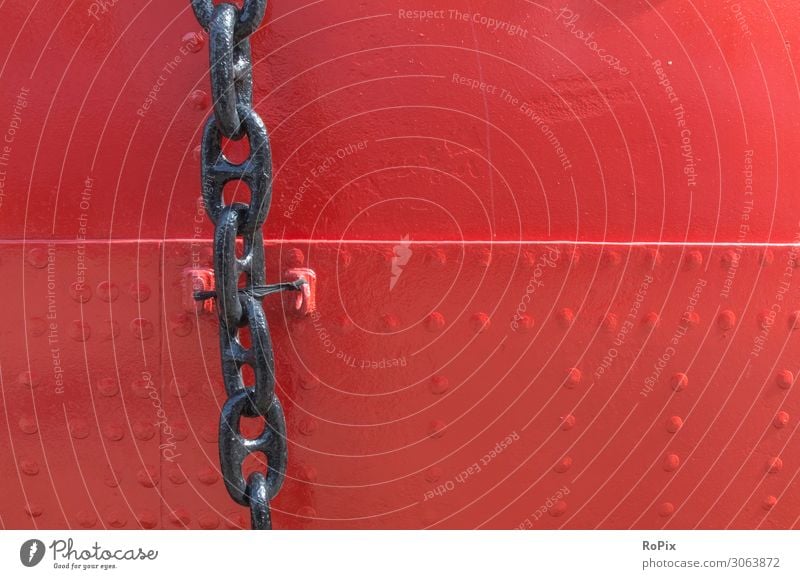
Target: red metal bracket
[305, 302]
[202, 280]
[198, 280]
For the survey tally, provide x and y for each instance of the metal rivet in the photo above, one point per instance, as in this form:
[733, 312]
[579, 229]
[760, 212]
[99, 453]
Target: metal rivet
[176, 475]
[345, 258]
[728, 258]
[208, 475]
[726, 320]
[295, 258]
[558, 509]
[79, 429]
[139, 292]
[573, 378]
[611, 258]
[794, 320]
[181, 325]
[568, 422]
[435, 321]
[208, 521]
[140, 387]
[666, 509]
[111, 479]
[143, 430]
[610, 322]
[115, 519]
[113, 432]
[769, 502]
[654, 257]
[107, 387]
[86, 519]
[694, 259]
[388, 254]
[79, 331]
[308, 473]
[142, 329]
[529, 258]
[433, 474]
[179, 389]
[563, 465]
[180, 517]
[80, 292]
[147, 519]
[193, 41]
[308, 383]
[480, 322]
[37, 327]
[436, 429]
[651, 319]
[198, 100]
[28, 425]
[390, 321]
[306, 512]
[148, 476]
[671, 462]
[524, 323]
[307, 426]
[693, 319]
[37, 257]
[674, 424]
[33, 510]
[179, 430]
[32, 379]
[774, 464]
[29, 467]
[566, 316]
[781, 419]
[439, 384]
[785, 379]
[679, 381]
[436, 257]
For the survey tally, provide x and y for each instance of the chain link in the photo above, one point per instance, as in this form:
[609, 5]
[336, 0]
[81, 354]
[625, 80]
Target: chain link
[239, 304]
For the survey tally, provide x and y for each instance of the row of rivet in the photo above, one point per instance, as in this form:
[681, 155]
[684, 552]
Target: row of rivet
[481, 321]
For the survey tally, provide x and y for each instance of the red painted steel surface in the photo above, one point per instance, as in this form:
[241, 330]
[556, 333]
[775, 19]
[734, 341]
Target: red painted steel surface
[482, 355]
